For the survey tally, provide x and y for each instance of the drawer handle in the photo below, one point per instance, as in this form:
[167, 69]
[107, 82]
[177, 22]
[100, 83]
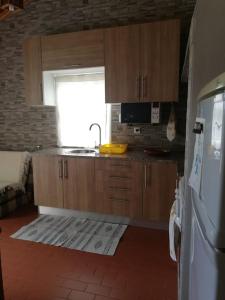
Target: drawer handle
[118, 199]
[125, 166]
[119, 188]
[120, 177]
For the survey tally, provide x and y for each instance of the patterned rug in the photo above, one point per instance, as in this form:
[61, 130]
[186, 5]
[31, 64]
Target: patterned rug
[74, 233]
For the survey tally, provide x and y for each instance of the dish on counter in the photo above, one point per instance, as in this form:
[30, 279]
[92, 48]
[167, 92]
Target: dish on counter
[157, 151]
[113, 148]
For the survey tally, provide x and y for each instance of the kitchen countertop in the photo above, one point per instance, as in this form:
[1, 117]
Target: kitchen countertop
[129, 155]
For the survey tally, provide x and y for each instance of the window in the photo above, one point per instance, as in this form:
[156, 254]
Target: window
[80, 101]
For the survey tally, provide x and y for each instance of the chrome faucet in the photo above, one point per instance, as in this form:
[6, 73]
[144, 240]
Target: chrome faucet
[100, 132]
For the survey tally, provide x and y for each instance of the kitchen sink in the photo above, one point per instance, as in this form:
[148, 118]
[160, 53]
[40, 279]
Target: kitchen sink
[84, 151]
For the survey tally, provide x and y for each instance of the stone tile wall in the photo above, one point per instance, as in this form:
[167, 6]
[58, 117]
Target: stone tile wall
[24, 127]
[153, 135]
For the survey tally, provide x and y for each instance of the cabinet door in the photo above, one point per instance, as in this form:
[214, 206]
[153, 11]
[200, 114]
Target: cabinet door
[48, 181]
[159, 190]
[73, 50]
[160, 48]
[122, 64]
[79, 183]
[33, 71]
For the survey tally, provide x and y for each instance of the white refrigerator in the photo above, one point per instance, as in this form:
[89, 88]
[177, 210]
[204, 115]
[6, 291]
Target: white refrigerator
[207, 261]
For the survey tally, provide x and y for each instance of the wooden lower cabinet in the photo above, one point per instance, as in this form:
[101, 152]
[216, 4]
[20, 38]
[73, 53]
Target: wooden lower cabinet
[119, 187]
[48, 180]
[78, 184]
[111, 186]
[64, 182]
[159, 190]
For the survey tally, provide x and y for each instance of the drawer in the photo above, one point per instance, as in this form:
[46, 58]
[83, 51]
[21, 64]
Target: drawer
[119, 208]
[118, 194]
[114, 165]
[118, 182]
[130, 207]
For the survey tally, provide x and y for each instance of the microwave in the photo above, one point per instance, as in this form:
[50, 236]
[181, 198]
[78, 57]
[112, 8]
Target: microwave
[135, 113]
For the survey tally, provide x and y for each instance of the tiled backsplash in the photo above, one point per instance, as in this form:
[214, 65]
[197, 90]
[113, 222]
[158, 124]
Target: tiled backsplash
[153, 135]
[23, 127]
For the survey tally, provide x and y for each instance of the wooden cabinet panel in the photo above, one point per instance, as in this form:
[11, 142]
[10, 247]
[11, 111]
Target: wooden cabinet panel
[142, 62]
[122, 64]
[79, 183]
[105, 186]
[33, 71]
[160, 61]
[48, 181]
[73, 50]
[119, 187]
[117, 165]
[159, 190]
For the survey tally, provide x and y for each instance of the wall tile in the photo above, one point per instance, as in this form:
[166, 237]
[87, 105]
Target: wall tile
[23, 127]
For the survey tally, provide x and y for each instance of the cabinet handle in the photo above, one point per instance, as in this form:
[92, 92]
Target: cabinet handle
[60, 169]
[145, 176]
[41, 91]
[65, 169]
[144, 87]
[138, 86]
[118, 199]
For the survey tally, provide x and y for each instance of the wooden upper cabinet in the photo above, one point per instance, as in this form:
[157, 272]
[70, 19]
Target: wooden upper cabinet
[142, 62]
[160, 61]
[33, 71]
[73, 50]
[48, 180]
[159, 190]
[122, 64]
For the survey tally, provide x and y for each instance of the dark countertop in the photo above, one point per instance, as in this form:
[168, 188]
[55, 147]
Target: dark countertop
[176, 156]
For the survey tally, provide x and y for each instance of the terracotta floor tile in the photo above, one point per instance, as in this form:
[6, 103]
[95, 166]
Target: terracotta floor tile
[103, 298]
[75, 295]
[140, 269]
[62, 292]
[98, 290]
[91, 279]
[75, 285]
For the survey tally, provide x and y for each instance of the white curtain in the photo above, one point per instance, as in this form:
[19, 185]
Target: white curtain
[80, 102]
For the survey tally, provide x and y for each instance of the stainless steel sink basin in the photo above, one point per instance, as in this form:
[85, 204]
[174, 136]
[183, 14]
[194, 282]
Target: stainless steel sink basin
[84, 151]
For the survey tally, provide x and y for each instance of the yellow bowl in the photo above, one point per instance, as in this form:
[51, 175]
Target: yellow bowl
[113, 148]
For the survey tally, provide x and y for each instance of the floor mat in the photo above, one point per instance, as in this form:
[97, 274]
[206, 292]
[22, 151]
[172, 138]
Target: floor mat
[74, 233]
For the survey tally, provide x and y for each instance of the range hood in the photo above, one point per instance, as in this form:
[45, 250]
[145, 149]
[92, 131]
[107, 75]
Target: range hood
[11, 4]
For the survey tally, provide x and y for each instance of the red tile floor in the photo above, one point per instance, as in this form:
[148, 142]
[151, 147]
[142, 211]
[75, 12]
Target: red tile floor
[140, 269]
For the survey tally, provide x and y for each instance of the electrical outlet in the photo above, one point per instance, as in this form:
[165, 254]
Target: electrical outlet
[137, 130]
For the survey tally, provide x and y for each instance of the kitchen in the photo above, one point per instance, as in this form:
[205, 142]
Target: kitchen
[79, 82]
